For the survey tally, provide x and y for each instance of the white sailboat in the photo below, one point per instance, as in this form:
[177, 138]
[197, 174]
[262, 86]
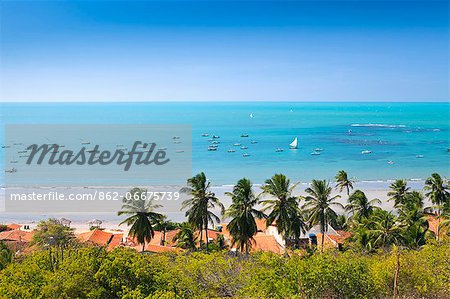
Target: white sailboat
[293, 144]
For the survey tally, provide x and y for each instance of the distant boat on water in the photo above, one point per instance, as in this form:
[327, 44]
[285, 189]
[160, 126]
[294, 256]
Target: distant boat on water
[245, 155]
[251, 115]
[12, 170]
[205, 135]
[365, 152]
[294, 144]
[244, 135]
[315, 153]
[279, 150]
[253, 142]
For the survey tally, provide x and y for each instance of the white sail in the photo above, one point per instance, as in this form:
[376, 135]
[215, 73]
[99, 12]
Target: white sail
[294, 143]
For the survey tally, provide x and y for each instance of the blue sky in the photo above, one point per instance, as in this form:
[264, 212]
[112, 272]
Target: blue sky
[224, 51]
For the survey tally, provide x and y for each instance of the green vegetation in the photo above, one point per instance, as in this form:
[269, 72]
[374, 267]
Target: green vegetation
[199, 205]
[284, 207]
[141, 217]
[343, 182]
[242, 225]
[6, 255]
[319, 206]
[389, 253]
[124, 273]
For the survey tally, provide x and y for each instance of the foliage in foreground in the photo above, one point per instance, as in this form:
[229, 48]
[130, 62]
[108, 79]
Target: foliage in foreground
[92, 272]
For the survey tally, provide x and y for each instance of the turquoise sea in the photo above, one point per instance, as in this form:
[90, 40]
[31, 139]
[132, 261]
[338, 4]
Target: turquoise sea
[414, 137]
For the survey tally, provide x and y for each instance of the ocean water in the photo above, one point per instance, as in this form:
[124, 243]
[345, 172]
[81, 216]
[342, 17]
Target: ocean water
[396, 132]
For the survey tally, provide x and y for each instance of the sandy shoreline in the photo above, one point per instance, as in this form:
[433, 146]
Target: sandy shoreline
[373, 189]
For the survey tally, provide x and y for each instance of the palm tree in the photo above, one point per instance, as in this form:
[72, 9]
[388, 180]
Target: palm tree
[385, 229]
[284, 207]
[343, 182]
[438, 194]
[298, 226]
[360, 205]
[164, 225]
[319, 205]
[185, 237]
[242, 226]
[412, 210]
[139, 207]
[342, 222]
[399, 192]
[363, 238]
[199, 205]
[413, 221]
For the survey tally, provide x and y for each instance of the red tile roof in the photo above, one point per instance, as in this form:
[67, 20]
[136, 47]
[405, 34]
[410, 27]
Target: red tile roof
[116, 241]
[212, 234]
[16, 235]
[433, 224]
[261, 224]
[265, 242]
[156, 240]
[13, 226]
[96, 236]
[341, 237]
[159, 248]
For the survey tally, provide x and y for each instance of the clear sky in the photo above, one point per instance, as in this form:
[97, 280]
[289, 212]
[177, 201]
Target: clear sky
[224, 51]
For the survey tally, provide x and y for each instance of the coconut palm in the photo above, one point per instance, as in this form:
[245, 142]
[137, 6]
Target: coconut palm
[386, 231]
[242, 226]
[199, 205]
[319, 205]
[141, 217]
[284, 206]
[343, 182]
[439, 195]
[399, 192]
[412, 210]
[363, 238]
[413, 220]
[185, 237]
[360, 206]
[298, 226]
[164, 225]
[342, 222]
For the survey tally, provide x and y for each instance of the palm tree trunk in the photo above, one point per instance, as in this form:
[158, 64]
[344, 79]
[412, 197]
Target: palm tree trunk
[143, 247]
[323, 237]
[438, 230]
[206, 230]
[163, 238]
[397, 269]
[201, 237]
